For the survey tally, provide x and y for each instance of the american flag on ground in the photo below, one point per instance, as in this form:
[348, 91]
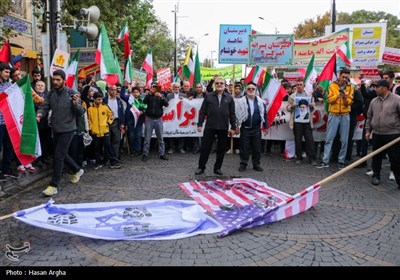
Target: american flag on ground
[245, 203]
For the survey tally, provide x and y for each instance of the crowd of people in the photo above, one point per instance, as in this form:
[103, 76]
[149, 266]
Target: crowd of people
[87, 128]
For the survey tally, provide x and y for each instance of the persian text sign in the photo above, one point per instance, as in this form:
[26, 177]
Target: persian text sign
[164, 78]
[224, 72]
[366, 46]
[270, 50]
[181, 116]
[233, 43]
[391, 56]
[323, 48]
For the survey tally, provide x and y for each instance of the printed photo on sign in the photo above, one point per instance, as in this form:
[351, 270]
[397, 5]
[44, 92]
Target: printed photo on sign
[302, 111]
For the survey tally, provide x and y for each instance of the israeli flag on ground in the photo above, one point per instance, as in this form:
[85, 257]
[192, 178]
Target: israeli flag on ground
[161, 219]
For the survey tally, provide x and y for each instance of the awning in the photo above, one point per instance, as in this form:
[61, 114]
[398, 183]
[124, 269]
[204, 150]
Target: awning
[29, 53]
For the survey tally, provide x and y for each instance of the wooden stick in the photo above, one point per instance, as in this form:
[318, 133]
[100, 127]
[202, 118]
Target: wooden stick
[361, 160]
[6, 216]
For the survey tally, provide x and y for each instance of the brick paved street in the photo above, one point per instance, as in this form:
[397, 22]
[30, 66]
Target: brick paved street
[354, 224]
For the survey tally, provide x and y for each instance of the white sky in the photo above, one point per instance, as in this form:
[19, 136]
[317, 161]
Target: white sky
[198, 17]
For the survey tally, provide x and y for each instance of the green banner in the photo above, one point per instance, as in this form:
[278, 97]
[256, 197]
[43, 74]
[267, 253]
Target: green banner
[225, 72]
[139, 76]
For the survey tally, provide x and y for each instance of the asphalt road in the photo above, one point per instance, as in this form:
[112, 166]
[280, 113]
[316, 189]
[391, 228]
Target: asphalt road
[354, 224]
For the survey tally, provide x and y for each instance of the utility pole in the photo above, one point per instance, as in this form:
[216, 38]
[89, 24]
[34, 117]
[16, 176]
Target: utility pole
[175, 11]
[333, 16]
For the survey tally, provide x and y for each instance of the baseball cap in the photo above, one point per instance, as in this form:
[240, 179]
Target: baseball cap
[381, 83]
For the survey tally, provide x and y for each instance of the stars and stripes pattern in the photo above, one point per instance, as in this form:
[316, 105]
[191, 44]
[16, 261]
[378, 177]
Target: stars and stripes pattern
[245, 203]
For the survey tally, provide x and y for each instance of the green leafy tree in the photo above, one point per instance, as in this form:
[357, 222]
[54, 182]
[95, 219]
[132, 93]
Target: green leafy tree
[5, 7]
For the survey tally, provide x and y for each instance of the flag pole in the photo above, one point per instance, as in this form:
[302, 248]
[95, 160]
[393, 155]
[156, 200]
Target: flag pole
[6, 216]
[233, 81]
[361, 160]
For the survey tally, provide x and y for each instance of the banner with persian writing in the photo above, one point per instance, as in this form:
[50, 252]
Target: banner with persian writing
[225, 72]
[270, 50]
[391, 56]
[233, 43]
[323, 48]
[181, 116]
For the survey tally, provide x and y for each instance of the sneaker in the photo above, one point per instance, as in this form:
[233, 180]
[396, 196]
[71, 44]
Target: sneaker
[229, 152]
[370, 173]
[12, 174]
[257, 168]
[163, 157]
[171, 151]
[115, 166]
[322, 165]
[50, 191]
[145, 158]
[21, 169]
[199, 171]
[237, 151]
[313, 163]
[218, 172]
[97, 166]
[75, 177]
[375, 181]
[182, 151]
[391, 176]
[242, 168]
[30, 168]
[341, 165]
[298, 161]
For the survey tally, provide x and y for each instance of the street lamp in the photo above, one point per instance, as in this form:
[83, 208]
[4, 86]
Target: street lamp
[276, 28]
[212, 61]
[198, 40]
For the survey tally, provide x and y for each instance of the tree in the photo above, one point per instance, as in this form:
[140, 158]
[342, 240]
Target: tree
[5, 7]
[311, 28]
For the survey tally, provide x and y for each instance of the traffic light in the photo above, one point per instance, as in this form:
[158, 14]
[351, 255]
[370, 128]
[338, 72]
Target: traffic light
[90, 30]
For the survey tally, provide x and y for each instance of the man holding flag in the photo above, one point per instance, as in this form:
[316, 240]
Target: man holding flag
[66, 106]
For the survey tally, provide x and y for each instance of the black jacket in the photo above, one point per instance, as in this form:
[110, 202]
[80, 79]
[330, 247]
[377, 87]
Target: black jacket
[64, 112]
[218, 116]
[155, 105]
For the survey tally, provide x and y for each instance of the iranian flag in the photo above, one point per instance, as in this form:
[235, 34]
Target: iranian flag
[119, 72]
[311, 76]
[148, 67]
[256, 75]
[188, 66]
[197, 73]
[124, 36]
[128, 70]
[105, 58]
[344, 53]
[72, 72]
[273, 95]
[16, 104]
[5, 53]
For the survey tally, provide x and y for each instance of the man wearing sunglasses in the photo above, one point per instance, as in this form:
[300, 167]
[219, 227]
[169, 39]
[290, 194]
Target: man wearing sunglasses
[251, 116]
[219, 108]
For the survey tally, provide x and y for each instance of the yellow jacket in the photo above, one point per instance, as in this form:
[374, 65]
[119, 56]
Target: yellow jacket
[100, 117]
[337, 104]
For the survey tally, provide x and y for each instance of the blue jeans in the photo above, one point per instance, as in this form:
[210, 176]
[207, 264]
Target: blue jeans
[335, 123]
[135, 135]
